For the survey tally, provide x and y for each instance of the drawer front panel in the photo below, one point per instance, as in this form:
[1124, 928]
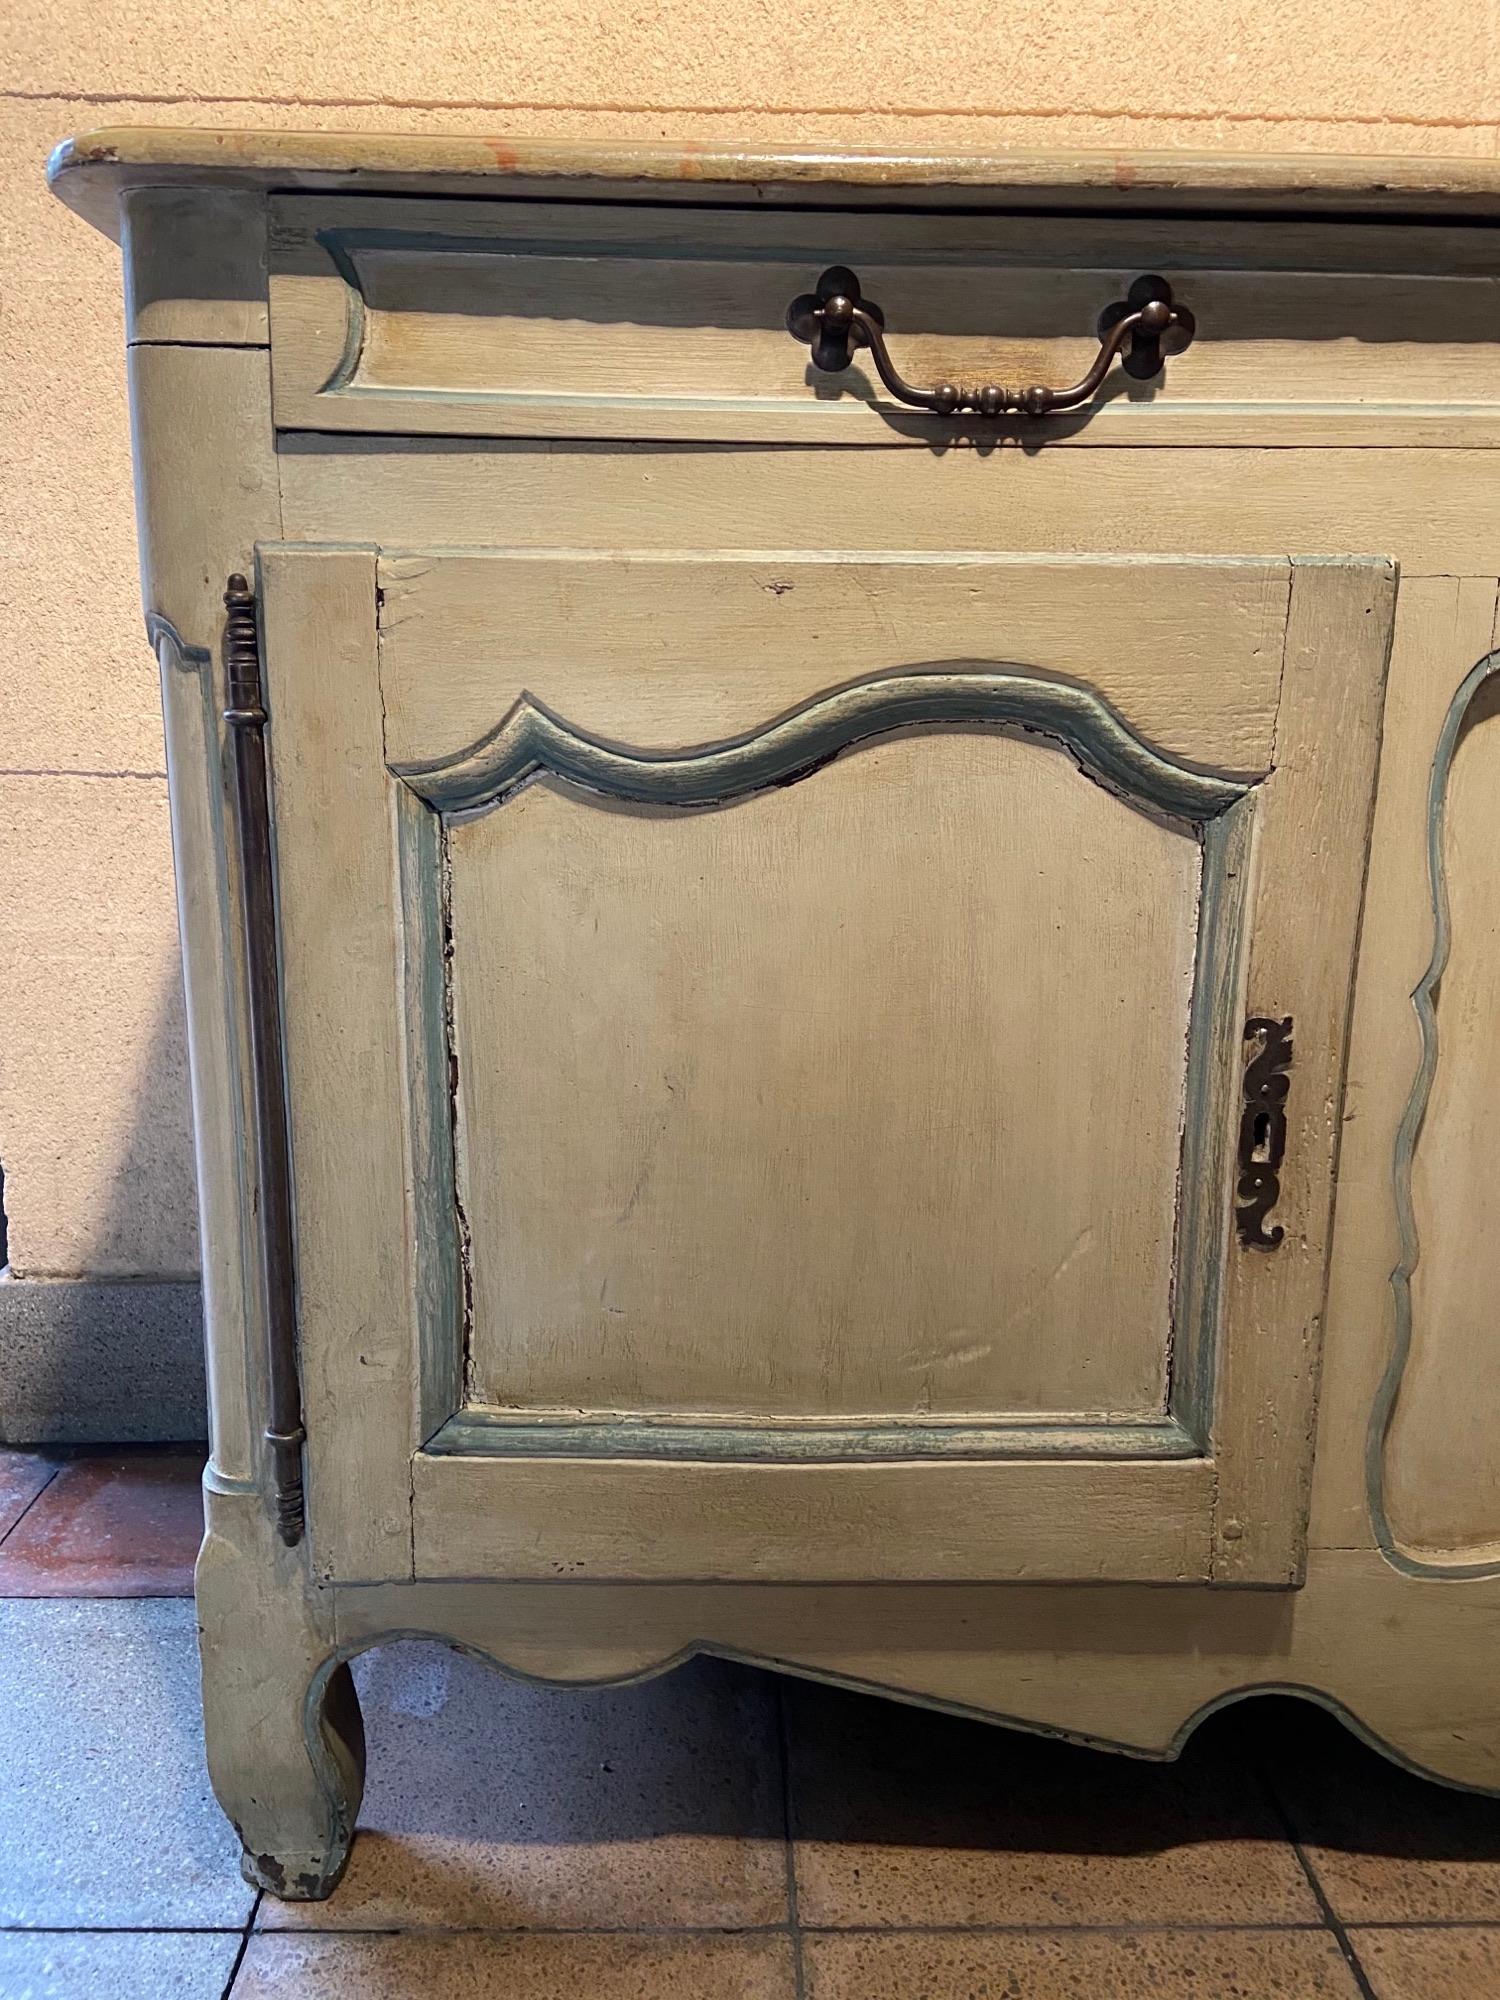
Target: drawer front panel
[528, 319]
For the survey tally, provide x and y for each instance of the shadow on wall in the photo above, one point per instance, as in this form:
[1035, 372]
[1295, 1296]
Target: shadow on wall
[113, 1352]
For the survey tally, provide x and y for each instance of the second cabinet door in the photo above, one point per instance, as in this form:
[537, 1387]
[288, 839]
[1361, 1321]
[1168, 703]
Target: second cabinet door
[816, 1069]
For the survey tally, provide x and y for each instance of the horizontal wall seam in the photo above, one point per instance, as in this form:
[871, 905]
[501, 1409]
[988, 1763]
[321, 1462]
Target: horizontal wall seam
[62, 771]
[1477, 122]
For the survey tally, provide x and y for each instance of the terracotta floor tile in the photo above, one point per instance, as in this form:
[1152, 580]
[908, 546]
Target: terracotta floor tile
[121, 1524]
[1079, 1965]
[23, 1474]
[495, 1804]
[279, 1966]
[909, 1818]
[1431, 1964]
[1386, 1845]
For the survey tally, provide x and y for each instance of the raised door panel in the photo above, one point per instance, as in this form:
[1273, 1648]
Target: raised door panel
[813, 1079]
[867, 1103]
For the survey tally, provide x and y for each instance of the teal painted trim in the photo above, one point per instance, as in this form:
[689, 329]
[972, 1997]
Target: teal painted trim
[1209, 1118]
[324, 1763]
[356, 312]
[1408, 1136]
[186, 658]
[439, 1246]
[531, 740]
[495, 1434]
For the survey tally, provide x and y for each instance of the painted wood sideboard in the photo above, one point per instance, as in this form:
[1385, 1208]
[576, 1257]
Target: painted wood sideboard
[836, 835]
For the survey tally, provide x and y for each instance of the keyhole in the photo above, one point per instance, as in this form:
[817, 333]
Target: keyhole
[1261, 1146]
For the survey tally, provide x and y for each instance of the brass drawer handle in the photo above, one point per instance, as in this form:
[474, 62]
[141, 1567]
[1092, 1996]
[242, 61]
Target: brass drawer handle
[836, 318]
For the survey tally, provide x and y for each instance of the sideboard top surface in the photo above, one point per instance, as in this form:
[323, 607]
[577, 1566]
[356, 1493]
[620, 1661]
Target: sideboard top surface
[92, 171]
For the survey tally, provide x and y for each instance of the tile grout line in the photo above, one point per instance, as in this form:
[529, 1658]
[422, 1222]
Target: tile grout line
[789, 1846]
[247, 1932]
[114, 1596]
[1331, 1919]
[46, 1483]
[119, 1930]
[1177, 1929]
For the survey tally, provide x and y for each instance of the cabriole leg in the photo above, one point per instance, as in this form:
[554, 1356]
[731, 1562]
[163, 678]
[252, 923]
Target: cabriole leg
[284, 1734]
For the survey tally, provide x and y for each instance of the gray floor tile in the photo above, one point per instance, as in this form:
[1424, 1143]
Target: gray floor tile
[106, 1817]
[124, 1965]
[495, 1804]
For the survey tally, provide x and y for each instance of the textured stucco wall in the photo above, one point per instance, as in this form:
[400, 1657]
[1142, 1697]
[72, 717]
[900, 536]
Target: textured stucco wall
[93, 1108]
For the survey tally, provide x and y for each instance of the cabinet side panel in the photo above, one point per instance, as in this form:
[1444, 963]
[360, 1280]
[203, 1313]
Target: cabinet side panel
[206, 492]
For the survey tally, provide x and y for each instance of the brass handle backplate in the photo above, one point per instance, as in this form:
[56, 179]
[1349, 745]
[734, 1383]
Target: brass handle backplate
[1144, 327]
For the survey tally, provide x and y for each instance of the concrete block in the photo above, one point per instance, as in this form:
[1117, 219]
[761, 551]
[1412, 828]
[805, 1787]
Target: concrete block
[88, 1363]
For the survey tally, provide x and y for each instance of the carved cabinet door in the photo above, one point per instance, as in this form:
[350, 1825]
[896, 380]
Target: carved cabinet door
[812, 1068]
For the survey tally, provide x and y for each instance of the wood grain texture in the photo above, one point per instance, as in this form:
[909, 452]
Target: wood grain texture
[532, 742]
[281, 1721]
[1433, 508]
[192, 410]
[1312, 826]
[581, 1519]
[1443, 624]
[195, 267]
[624, 1329]
[91, 170]
[476, 320]
[1433, 1423]
[358, 1291]
[1192, 663]
[757, 1116]
[1406, 1655]
[1121, 1667]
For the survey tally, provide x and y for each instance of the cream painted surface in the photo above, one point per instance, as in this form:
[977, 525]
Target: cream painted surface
[78, 684]
[362, 939]
[804, 1145]
[1128, 1665]
[1443, 1475]
[1193, 663]
[461, 318]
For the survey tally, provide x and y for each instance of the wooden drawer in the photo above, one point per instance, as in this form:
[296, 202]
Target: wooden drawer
[535, 319]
